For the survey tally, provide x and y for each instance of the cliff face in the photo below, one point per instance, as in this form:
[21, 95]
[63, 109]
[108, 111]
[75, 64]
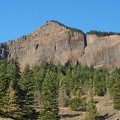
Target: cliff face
[52, 42]
[3, 51]
[102, 51]
[58, 43]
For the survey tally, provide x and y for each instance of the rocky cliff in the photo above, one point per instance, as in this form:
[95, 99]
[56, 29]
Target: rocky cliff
[51, 42]
[58, 43]
[102, 51]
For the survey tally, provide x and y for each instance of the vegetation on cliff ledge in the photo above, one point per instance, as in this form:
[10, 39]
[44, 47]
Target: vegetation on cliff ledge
[73, 29]
[102, 34]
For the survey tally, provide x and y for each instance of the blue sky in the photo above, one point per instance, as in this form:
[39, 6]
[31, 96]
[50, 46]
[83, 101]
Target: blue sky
[21, 17]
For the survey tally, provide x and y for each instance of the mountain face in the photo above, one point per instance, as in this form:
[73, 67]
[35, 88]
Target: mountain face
[58, 43]
[102, 51]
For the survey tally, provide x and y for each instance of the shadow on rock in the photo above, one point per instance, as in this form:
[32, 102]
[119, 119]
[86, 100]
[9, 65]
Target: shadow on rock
[70, 115]
[104, 117]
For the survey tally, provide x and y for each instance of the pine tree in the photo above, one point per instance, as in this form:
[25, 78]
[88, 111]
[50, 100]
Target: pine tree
[116, 94]
[10, 106]
[63, 94]
[63, 97]
[113, 85]
[39, 75]
[27, 94]
[13, 70]
[3, 66]
[4, 84]
[91, 110]
[49, 108]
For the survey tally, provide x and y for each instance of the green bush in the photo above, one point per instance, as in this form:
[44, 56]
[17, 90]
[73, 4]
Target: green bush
[78, 104]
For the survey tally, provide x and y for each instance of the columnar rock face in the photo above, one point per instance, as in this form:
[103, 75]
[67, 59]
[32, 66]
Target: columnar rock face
[58, 43]
[102, 51]
[3, 51]
[52, 42]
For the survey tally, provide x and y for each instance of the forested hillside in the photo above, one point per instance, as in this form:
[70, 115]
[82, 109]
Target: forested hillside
[39, 92]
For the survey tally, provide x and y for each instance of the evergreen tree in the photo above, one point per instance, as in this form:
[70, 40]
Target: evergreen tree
[39, 75]
[13, 70]
[75, 103]
[10, 106]
[27, 94]
[4, 84]
[116, 94]
[49, 108]
[91, 110]
[63, 93]
[63, 97]
[3, 66]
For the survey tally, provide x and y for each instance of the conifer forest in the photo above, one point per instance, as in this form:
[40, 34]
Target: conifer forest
[37, 92]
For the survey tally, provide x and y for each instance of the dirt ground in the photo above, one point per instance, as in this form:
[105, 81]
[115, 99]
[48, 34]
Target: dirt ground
[104, 107]
[67, 114]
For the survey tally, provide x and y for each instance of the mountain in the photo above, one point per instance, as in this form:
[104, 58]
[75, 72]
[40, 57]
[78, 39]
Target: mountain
[56, 42]
[102, 51]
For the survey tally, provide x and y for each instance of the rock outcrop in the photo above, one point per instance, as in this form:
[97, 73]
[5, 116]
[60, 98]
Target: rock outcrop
[51, 42]
[102, 51]
[3, 51]
[58, 43]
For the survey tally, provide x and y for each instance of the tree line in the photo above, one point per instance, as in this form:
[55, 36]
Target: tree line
[39, 91]
[102, 34]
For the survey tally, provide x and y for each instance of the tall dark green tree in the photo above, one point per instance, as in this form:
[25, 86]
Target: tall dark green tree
[13, 70]
[49, 107]
[116, 94]
[27, 94]
[9, 71]
[3, 66]
[39, 75]
[4, 84]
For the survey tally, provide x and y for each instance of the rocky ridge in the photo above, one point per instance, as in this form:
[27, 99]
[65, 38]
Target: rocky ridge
[58, 43]
[102, 51]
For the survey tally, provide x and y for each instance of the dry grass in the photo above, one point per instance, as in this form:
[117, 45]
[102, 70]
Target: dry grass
[104, 107]
[5, 119]
[67, 114]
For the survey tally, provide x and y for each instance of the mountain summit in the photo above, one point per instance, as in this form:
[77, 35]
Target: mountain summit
[56, 42]
[51, 42]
